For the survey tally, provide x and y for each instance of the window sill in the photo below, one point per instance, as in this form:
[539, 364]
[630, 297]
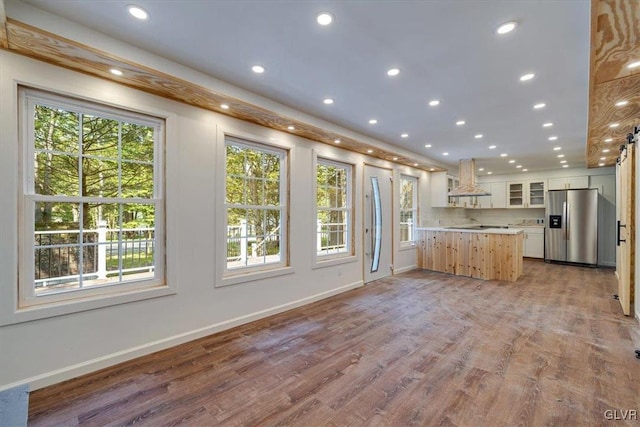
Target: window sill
[242, 277]
[408, 246]
[322, 263]
[37, 312]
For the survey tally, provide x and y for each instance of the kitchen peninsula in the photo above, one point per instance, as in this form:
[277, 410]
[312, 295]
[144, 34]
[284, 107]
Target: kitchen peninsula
[473, 251]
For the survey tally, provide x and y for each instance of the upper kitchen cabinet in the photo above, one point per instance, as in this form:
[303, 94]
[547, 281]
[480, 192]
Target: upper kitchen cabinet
[526, 194]
[498, 198]
[441, 185]
[569, 182]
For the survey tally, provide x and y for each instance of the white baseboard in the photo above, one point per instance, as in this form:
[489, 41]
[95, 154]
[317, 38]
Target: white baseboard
[405, 269]
[53, 377]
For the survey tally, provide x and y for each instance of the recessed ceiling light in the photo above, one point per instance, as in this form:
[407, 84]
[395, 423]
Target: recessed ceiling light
[115, 72]
[369, 151]
[489, 173]
[519, 166]
[526, 77]
[415, 164]
[337, 141]
[507, 27]
[373, 121]
[432, 169]
[478, 136]
[392, 72]
[614, 125]
[445, 154]
[291, 127]
[565, 166]
[138, 12]
[395, 158]
[557, 148]
[324, 18]
[512, 161]
[608, 140]
[525, 170]
[600, 164]
[404, 135]
[560, 156]
[606, 150]
[547, 125]
[553, 138]
[503, 155]
[434, 102]
[258, 69]
[539, 106]
[635, 64]
[563, 162]
[328, 101]
[427, 145]
[460, 122]
[603, 158]
[224, 106]
[492, 147]
[481, 169]
[621, 103]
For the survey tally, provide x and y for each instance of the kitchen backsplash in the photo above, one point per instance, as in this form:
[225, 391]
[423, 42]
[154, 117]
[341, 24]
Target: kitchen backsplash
[448, 216]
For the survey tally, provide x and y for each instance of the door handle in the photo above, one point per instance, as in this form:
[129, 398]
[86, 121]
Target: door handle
[564, 220]
[567, 222]
[618, 239]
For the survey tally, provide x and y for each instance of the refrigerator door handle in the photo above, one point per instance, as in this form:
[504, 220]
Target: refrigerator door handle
[568, 221]
[565, 220]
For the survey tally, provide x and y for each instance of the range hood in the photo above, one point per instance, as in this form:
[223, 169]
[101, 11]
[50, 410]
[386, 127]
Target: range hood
[468, 187]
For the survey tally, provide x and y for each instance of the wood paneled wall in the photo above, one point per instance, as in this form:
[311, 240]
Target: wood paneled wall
[615, 42]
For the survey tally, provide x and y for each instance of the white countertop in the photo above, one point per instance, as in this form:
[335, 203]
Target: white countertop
[466, 230]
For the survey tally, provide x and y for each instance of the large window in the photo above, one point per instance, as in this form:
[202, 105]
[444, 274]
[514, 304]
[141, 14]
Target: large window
[333, 208]
[255, 205]
[93, 208]
[408, 208]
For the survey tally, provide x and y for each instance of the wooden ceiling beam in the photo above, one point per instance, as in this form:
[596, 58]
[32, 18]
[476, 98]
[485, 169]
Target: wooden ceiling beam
[4, 41]
[615, 42]
[52, 48]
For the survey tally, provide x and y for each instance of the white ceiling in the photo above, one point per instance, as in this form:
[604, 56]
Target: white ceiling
[446, 50]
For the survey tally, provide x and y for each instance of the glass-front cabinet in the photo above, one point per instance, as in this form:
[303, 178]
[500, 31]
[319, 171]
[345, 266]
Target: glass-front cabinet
[526, 194]
[516, 195]
[536, 194]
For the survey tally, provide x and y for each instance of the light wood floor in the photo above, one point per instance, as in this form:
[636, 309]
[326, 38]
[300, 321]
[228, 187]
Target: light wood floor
[421, 348]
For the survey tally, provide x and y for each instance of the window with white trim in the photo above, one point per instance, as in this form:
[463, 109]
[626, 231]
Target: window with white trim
[255, 205]
[93, 211]
[408, 208]
[333, 208]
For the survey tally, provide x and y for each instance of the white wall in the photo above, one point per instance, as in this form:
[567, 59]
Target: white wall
[49, 350]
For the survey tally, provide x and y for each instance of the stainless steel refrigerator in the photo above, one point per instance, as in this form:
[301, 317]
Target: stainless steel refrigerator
[571, 229]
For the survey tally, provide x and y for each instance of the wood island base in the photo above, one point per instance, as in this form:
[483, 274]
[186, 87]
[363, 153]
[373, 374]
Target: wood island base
[492, 254]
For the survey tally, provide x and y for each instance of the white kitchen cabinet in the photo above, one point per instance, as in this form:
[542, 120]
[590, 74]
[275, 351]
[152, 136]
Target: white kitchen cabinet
[441, 184]
[533, 242]
[526, 194]
[569, 182]
[498, 195]
[439, 190]
[498, 198]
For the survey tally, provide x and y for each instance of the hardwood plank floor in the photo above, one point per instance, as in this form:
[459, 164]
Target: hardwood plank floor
[420, 348]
